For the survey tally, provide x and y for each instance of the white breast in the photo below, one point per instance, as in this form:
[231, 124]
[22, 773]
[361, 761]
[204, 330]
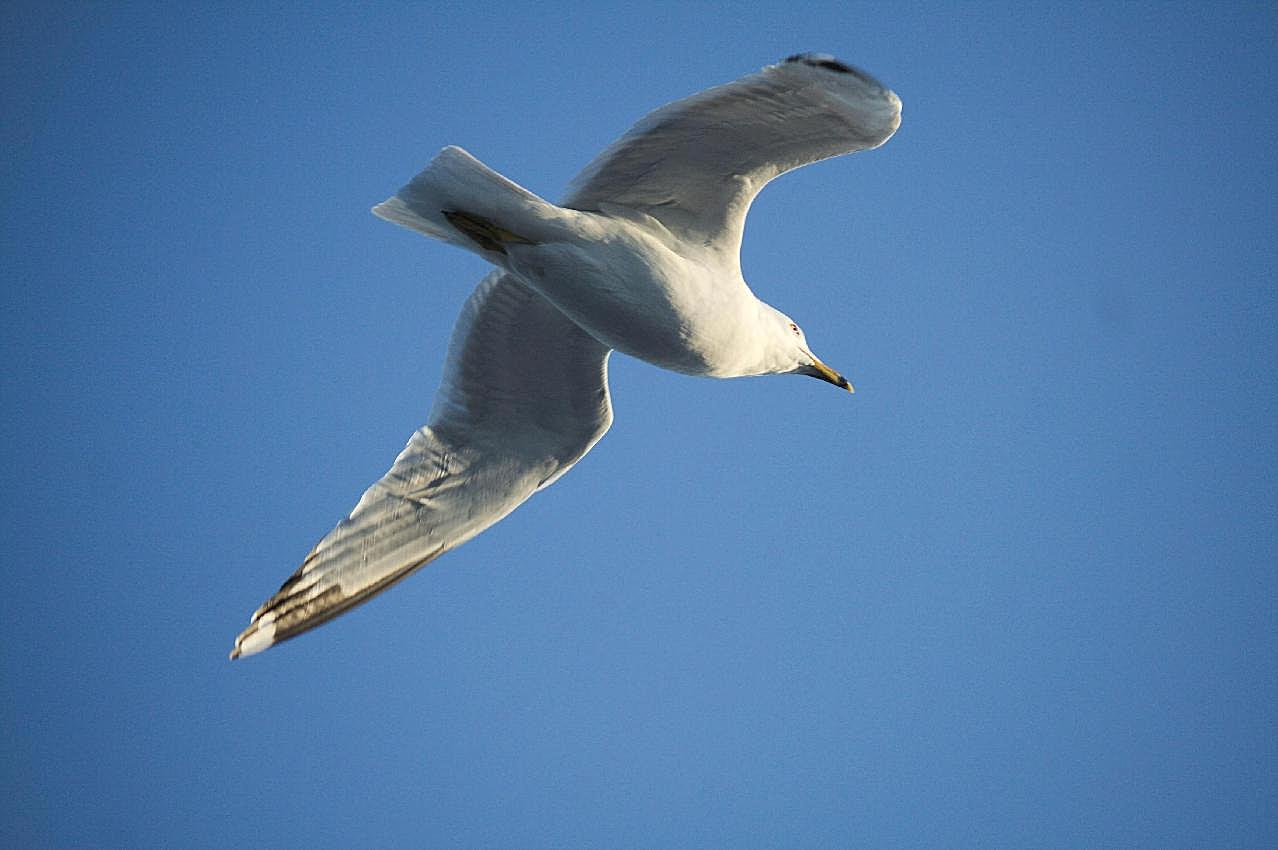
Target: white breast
[633, 293]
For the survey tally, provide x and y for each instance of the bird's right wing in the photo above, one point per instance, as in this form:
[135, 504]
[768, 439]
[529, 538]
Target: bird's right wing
[695, 165]
[524, 397]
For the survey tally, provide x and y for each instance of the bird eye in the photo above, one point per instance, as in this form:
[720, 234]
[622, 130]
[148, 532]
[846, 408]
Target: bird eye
[794, 328]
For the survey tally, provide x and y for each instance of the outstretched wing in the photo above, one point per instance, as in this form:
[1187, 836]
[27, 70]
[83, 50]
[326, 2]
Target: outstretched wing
[696, 164]
[524, 397]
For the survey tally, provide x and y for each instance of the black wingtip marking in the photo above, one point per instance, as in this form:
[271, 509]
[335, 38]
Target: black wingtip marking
[821, 60]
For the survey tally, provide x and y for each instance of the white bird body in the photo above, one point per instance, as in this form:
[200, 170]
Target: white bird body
[643, 257]
[651, 322]
[626, 280]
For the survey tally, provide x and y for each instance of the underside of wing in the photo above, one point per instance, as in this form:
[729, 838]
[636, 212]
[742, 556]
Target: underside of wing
[524, 396]
[696, 164]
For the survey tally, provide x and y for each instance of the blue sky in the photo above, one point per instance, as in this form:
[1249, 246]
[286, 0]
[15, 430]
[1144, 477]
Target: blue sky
[1018, 591]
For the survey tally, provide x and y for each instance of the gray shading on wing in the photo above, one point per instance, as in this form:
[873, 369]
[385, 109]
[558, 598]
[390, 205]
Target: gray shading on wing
[696, 164]
[524, 396]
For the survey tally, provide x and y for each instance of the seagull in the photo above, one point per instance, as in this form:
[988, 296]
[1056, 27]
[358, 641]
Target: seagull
[642, 257]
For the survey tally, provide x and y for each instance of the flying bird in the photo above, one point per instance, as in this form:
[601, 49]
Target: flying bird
[643, 256]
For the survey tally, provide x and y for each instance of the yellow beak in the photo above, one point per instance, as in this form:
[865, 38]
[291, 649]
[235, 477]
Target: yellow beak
[825, 373]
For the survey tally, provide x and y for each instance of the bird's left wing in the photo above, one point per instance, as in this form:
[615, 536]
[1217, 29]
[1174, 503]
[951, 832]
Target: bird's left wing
[696, 164]
[524, 396]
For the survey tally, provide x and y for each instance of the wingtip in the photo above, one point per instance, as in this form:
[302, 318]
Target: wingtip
[820, 60]
[826, 62]
[254, 639]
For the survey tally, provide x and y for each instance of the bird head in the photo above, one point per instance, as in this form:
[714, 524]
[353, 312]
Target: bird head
[790, 354]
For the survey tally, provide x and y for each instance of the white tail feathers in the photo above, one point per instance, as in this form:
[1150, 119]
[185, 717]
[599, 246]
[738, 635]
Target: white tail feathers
[456, 183]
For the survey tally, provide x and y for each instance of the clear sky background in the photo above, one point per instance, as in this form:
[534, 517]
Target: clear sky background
[1019, 591]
